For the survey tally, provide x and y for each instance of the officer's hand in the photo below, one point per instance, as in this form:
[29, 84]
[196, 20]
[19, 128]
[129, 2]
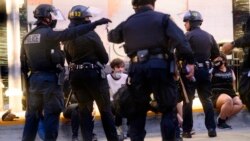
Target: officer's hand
[190, 74]
[227, 48]
[102, 21]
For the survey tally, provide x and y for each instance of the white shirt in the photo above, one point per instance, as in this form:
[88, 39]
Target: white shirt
[116, 84]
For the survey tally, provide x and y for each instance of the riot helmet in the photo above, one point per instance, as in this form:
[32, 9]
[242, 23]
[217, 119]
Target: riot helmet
[192, 16]
[79, 12]
[46, 13]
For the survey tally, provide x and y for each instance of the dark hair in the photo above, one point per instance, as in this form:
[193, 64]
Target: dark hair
[142, 2]
[224, 58]
[117, 62]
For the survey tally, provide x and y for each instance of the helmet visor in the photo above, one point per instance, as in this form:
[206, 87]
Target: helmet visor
[57, 15]
[94, 12]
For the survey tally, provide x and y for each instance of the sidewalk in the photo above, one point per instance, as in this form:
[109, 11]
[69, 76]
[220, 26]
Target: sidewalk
[12, 131]
[240, 131]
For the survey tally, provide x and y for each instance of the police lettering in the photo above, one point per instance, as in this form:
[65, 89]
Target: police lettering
[32, 39]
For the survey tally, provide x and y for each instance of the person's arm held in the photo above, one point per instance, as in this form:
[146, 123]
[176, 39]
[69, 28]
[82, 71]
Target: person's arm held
[240, 42]
[72, 33]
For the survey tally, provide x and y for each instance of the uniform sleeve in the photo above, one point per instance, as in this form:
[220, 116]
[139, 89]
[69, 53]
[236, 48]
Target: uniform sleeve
[115, 35]
[70, 33]
[182, 45]
[23, 59]
[215, 52]
[243, 41]
[67, 55]
[100, 50]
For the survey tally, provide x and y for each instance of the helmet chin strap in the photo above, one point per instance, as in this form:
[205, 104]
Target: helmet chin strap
[53, 23]
[49, 22]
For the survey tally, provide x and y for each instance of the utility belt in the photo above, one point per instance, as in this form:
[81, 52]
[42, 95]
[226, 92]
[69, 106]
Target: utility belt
[85, 65]
[144, 55]
[245, 72]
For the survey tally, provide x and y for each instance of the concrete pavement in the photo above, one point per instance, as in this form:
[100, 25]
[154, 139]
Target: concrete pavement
[240, 131]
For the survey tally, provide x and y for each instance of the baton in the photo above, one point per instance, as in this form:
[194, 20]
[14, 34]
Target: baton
[69, 98]
[184, 91]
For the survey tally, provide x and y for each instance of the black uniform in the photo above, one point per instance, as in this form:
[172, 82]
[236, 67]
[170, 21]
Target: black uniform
[244, 83]
[205, 49]
[146, 33]
[88, 84]
[41, 54]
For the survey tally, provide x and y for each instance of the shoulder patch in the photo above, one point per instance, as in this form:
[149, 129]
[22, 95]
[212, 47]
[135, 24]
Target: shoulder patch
[33, 39]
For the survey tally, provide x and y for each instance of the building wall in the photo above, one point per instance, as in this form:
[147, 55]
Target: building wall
[218, 19]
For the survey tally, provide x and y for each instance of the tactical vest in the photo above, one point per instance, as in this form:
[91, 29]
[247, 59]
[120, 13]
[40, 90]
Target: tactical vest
[43, 54]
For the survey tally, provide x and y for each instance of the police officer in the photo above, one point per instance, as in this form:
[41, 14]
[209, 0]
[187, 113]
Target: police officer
[86, 55]
[146, 34]
[42, 58]
[244, 43]
[205, 49]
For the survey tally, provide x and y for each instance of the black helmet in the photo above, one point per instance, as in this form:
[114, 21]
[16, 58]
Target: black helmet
[192, 16]
[142, 2]
[79, 12]
[44, 11]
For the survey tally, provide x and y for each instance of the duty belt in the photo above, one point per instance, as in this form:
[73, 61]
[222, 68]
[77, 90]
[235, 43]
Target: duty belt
[202, 65]
[154, 56]
[85, 65]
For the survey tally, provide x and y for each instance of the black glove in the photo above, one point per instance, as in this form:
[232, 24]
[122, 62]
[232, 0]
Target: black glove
[102, 21]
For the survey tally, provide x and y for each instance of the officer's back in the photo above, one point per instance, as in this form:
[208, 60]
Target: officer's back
[41, 55]
[146, 35]
[86, 48]
[202, 44]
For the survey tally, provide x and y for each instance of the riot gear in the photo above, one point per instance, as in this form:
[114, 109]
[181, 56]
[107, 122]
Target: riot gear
[43, 11]
[205, 49]
[86, 56]
[146, 35]
[47, 11]
[42, 58]
[79, 12]
[192, 16]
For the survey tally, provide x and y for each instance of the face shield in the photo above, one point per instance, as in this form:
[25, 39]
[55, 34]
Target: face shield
[94, 12]
[56, 14]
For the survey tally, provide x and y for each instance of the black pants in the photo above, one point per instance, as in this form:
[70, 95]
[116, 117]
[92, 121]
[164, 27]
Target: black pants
[89, 86]
[147, 78]
[203, 87]
[244, 89]
[45, 99]
[118, 118]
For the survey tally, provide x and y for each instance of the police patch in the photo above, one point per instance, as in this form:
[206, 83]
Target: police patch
[33, 38]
